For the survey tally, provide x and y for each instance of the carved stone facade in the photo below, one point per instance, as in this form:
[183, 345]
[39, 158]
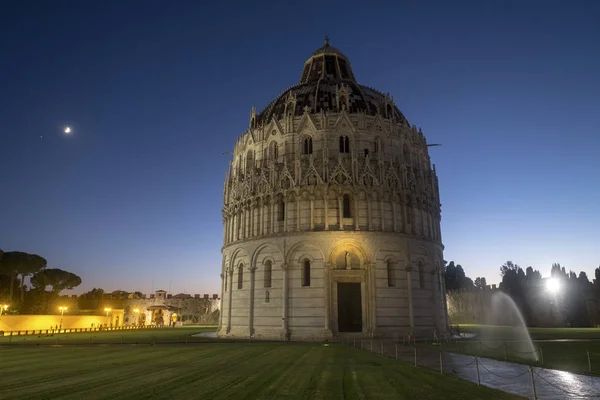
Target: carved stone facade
[331, 185]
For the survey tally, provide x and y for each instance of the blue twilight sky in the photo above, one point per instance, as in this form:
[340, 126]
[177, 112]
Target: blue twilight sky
[156, 91]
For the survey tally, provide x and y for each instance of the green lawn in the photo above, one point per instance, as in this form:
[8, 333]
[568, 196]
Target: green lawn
[535, 333]
[221, 371]
[553, 353]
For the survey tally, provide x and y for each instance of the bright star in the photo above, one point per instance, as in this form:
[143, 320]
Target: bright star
[68, 130]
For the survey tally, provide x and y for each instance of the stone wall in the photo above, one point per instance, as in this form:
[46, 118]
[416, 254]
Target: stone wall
[251, 308]
[30, 322]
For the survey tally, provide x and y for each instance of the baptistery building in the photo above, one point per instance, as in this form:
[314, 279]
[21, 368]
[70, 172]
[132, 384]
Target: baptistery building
[331, 216]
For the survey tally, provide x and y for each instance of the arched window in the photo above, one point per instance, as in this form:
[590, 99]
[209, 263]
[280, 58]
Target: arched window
[225, 284]
[274, 151]
[391, 275]
[268, 274]
[306, 273]
[281, 210]
[308, 145]
[344, 144]
[409, 214]
[346, 203]
[376, 146]
[249, 160]
[267, 298]
[241, 276]
[421, 275]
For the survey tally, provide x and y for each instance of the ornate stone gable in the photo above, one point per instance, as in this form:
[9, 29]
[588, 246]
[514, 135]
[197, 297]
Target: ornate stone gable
[367, 177]
[311, 176]
[286, 180]
[340, 175]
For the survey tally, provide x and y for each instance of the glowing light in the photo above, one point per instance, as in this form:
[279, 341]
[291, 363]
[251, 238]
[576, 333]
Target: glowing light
[553, 285]
[137, 310]
[68, 130]
[62, 309]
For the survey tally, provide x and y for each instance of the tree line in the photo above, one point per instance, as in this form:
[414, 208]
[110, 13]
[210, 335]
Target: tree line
[45, 284]
[576, 302]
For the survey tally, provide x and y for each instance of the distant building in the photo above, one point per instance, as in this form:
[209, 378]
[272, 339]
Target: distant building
[158, 308]
[331, 215]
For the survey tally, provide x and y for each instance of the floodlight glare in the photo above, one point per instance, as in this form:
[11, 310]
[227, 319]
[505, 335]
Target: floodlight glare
[552, 285]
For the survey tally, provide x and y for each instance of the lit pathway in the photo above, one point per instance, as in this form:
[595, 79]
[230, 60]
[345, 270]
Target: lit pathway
[550, 384]
[516, 378]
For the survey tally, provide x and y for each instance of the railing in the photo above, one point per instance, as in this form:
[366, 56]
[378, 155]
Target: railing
[75, 330]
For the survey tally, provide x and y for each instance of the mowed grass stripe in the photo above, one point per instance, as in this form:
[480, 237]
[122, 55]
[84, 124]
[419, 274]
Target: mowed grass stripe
[223, 371]
[212, 376]
[109, 371]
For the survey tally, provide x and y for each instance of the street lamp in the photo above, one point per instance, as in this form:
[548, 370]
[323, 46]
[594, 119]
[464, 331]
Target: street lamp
[3, 309]
[137, 313]
[107, 309]
[62, 311]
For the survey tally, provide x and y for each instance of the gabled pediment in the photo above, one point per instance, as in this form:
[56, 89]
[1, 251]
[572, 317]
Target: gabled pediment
[306, 125]
[343, 123]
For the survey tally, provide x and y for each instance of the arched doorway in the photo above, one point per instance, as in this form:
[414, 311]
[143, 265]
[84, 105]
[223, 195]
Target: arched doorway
[350, 307]
[158, 317]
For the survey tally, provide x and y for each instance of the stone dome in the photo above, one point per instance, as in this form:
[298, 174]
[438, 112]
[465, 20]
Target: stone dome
[328, 84]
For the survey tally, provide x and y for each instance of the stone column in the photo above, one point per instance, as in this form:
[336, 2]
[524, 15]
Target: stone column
[298, 213]
[284, 306]
[273, 215]
[251, 218]
[286, 213]
[369, 212]
[356, 225]
[326, 298]
[381, 214]
[394, 215]
[230, 299]
[340, 213]
[252, 270]
[263, 218]
[411, 318]
[232, 232]
[326, 200]
[372, 290]
[244, 223]
[434, 297]
[312, 213]
[223, 275]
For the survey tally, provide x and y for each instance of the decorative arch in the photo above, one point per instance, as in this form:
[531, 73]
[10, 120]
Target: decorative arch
[255, 255]
[351, 247]
[297, 249]
[237, 256]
